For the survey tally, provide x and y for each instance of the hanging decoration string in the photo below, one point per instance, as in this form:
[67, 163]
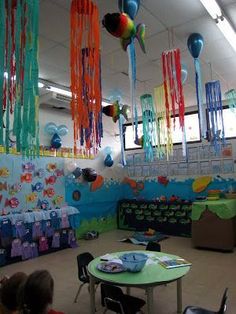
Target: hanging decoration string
[86, 76]
[121, 131]
[149, 126]
[173, 90]
[19, 75]
[215, 110]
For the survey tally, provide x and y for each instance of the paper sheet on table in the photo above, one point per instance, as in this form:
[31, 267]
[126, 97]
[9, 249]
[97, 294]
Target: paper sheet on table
[111, 258]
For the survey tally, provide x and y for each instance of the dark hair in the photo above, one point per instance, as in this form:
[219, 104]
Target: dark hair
[37, 293]
[10, 289]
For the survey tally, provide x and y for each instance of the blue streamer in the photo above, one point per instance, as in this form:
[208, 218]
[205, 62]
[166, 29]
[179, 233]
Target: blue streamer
[198, 82]
[132, 79]
[121, 131]
[215, 110]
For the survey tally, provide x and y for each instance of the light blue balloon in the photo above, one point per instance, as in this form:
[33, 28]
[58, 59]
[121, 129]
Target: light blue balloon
[50, 128]
[130, 7]
[184, 73]
[62, 130]
[107, 150]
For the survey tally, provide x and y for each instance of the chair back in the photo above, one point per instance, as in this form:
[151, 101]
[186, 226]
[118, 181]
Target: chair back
[82, 261]
[113, 298]
[153, 246]
[223, 306]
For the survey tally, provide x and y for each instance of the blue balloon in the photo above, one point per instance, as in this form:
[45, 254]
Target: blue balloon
[50, 128]
[108, 162]
[56, 141]
[70, 179]
[77, 172]
[184, 73]
[62, 130]
[107, 150]
[130, 7]
[195, 44]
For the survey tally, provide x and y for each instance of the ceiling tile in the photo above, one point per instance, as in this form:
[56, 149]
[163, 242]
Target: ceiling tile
[45, 44]
[58, 56]
[65, 4]
[49, 72]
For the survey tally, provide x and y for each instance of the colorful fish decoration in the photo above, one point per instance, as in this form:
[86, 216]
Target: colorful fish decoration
[51, 167]
[28, 167]
[58, 199]
[201, 183]
[3, 186]
[32, 197]
[51, 180]
[15, 188]
[44, 204]
[59, 172]
[26, 177]
[97, 184]
[39, 173]
[135, 185]
[38, 187]
[163, 180]
[49, 192]
[12, 202]
[115, 110]
[4, 172]
[120, 25]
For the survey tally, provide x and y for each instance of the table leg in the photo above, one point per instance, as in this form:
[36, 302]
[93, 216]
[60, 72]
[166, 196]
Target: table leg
[92, 294]
[149, 292]
[179, 296]
[128, 290]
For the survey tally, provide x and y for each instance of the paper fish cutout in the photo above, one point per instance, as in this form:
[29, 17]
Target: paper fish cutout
[120, 25]
[163, 180]
[44, 204]
[97, 184]
[39, 173]
[4, 172]
[51, 167]
[15, 188]
[38, 187]
[28, 167]
[135, 186]
[59, 172]
[51, 180]
[32, 197]
[201, 183]
[3, 186]
[26, 177]
[12, 202]
[58, 199]
[115, 110]
[49, 192]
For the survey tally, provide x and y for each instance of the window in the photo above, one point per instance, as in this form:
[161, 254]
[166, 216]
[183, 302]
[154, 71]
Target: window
[229, 116]
[192, 130]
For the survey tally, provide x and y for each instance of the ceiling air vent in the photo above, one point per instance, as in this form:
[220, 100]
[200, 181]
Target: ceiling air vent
[55, 100]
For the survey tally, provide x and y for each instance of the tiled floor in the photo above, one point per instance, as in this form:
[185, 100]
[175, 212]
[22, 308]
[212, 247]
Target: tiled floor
[204, 284]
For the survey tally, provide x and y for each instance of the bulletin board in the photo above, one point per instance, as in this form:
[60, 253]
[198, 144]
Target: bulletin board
[201, 160]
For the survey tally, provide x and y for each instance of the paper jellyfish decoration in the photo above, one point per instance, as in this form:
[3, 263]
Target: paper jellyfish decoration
[215, 110]
[56, 132]
[122, 25]
[19, 75]
[89, 174]
[173, 89]
[86, 103]
[149, 128]
[195, 45]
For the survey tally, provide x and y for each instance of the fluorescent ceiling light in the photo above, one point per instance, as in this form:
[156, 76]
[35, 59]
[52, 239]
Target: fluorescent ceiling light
[212, 7]
[227, 31]
[40, 85]
[59, 90]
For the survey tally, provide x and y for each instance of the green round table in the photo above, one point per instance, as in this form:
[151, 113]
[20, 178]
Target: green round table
[151, 275]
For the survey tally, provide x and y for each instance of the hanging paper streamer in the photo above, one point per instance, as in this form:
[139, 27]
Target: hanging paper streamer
[215, 110]
[164, 134]
[19, 74]
[231, 99]
[149, 126]
[86, 76]
[195, 45]
[121, 131]
[173, 89]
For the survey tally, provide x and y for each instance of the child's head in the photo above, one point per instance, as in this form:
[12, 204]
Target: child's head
[9, 291]
[37, 293]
